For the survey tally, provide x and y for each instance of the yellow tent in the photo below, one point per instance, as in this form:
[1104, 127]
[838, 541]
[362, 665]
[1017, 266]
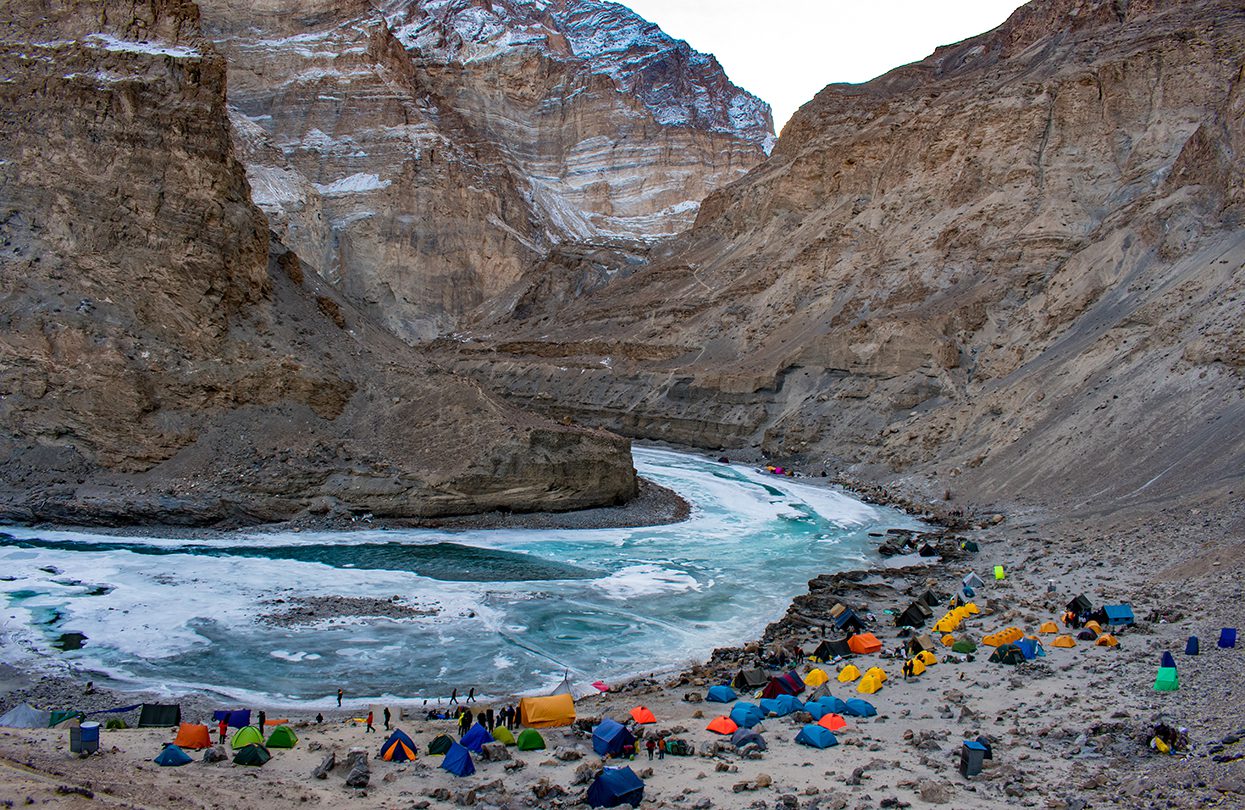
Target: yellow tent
[1093, 625]
[547, 712]
[816, 677]
[926, 657]
[947, 623]
[972, 608]
[948, 640]
[868, 685]
[1005, 636]
[1107, 640]
[1063, 641]
[848, 673]
[918, 666]
[1048, 627]
[876, 672]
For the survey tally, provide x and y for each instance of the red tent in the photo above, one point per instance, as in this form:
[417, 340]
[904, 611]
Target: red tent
[864, 643]
[722, 725]
[642, 715]
[788, 684]
[833, 722]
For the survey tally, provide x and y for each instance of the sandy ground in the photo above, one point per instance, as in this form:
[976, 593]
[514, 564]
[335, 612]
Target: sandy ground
[1069, 730]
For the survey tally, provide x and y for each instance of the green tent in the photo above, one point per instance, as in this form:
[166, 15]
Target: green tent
[61, 715]
[1008, 654]
[530, 740]
[115, 723]
[252, 754]
[503, 735]
[282, 737]
[440, 745]
[247, 735]
[1167, 680]
[964, 646]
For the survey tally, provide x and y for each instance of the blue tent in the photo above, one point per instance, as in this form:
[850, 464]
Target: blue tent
[816, 736]
[1119, 615]
[1192, 647]
[782, 705]
[398, 748]
[1227, 638]
[721, 694]
[746, 736]
[475, 738]
[615, 786]
[1030, 648]
[234, 718]
[172, 755]
[609, 737]
[859, 708]
[458, 761]
[1168, 661]
[817, 709]
[746, 715]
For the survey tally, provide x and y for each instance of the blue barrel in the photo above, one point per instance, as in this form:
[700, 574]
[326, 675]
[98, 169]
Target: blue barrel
[90, 732]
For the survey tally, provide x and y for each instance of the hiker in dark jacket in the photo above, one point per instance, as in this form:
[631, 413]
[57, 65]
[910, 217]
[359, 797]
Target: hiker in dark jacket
[387, 716]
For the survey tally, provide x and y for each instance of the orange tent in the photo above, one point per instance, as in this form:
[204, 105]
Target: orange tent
[642, 715]
[834, 722]
[1006, 636]
[722, 725]
[547, 712]
[193, 735]
[1063, 641]
[1048, 627]
[1093, 625]
[864, 643]
[1107, 640]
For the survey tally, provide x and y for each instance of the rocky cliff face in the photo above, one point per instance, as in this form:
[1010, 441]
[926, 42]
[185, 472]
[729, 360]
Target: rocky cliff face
[422, 156]
[1017, 266]
[161, 359]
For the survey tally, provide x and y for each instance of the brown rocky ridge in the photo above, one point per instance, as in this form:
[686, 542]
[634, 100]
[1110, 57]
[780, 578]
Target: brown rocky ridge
[164, 359]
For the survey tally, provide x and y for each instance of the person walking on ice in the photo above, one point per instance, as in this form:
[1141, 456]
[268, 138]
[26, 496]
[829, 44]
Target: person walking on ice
[471, 695]
[454, 696]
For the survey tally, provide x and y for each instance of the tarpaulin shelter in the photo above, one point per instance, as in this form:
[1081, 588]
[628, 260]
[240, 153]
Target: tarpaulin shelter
[1119, 615]
[154, 715]
[848, 673]
[721, 694]
[458, 761]
[610, 737]
[746, 715]
[859, 708]
[26, 716]
[1064, 641]
[642, 716]
[1081, 605]
[193, 735]
[746, 736]
[829, 650]
[234, 718]
[172, 755]
[529, 739]
[475, 738]
[816, 677]
[864, 643]
[246, 736]
[832, 721]
[750, 678]
[722, 725]
[616, 786]
[816, 736]
[65, 718]
[252, 754]
[282, 737]
[503, 735]
[398, 748]
[547, 712]
[443, 742]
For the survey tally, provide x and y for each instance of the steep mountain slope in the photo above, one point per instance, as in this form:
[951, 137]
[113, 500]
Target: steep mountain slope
[1019, 262]
[423, 155]
[161, 360]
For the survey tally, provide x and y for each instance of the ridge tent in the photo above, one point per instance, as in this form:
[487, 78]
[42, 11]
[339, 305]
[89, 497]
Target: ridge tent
[1008, 654]
[458, 761]
[868, 685]
[816, 736]
[193, 735]
[252, 754]
[1167, 680]
[931, 598]
[1081, 606]
[246, 736]
[1191, 647]
[746, 736]
[642, 716]
[172, 755]
[398, 748]
[970, 545]
[443, 742]
[1227, 638]
[1064, 641]
[1107, 640]
[282, 737]
[1168, 661]
[829, 650]
[859, 708]
[529, 739]
[848, 621]
[721, 694]
[610, 737]
[832, 722]
[722, 725]
[1030, 648]
[746, 715]
[503, 735]
[234, 718]
[1048, 627]
[615, 786]
[475, 738]
[915, 615]
[973, 581]
[788, 683]
[864, 643]
[964, 646]
[547, 712]
[750, 679]
[26, 716]
[849, 673]
[918, 643]
[816, 677]
[154, 715]
[1119, 615]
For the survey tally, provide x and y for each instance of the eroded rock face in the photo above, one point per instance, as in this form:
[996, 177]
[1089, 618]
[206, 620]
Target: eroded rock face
[422, 156]
[162, 359]
[1018, 262]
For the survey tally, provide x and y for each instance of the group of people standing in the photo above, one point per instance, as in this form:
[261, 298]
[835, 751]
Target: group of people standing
[507, 716]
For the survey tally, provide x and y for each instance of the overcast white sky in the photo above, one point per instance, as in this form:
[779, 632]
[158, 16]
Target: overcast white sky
[786, 50]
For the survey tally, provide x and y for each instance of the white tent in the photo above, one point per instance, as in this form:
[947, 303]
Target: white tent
[25, 716]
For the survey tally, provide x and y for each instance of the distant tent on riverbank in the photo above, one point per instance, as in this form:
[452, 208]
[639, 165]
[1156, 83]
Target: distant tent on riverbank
[753, 678]
[26, 716]
[829, 650]
[547, 712]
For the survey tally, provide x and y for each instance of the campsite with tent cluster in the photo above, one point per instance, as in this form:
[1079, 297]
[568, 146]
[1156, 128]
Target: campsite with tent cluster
[917, 686]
